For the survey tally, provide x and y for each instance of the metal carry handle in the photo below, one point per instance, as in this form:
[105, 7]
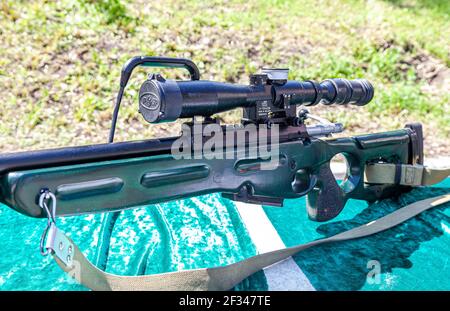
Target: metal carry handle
[153, 61]
[149, 61]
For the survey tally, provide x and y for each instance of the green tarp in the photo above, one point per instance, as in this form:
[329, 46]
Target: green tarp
[208, 231]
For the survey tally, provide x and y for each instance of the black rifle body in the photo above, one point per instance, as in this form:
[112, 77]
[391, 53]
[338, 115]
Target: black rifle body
[109, 177]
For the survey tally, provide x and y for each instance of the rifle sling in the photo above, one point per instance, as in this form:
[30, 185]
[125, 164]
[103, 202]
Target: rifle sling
[403, 174]
[225, 277]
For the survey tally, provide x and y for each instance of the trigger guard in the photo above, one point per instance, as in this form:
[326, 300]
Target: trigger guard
[297, 182]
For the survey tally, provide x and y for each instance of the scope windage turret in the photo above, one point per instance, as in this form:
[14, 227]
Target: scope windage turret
[268, 97]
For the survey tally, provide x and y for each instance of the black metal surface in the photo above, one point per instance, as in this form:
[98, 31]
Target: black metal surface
[82, 154]
[103, 152]
[154, 61]
[301, 168]
[149, 61]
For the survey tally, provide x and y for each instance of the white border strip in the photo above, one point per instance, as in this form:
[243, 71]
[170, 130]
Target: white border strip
[285, 275]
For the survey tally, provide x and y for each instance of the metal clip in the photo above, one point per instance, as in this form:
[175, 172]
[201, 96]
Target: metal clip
[52, 239]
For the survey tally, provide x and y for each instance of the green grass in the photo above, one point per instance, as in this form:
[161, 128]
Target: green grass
[60, 60]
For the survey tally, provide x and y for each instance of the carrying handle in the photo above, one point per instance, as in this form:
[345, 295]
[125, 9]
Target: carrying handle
[153, 61]
[148, 61]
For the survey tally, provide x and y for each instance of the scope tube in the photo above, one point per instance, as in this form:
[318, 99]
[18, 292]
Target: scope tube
[163, 100]
[206, 98]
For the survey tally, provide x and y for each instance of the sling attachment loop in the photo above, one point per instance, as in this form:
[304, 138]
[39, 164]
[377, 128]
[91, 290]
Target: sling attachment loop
[53, 240]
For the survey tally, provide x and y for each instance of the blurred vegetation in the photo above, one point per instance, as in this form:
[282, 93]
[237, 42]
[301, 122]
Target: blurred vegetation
[60, 60]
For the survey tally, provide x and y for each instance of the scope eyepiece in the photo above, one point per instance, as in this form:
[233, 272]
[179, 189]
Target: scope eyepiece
[268, 97]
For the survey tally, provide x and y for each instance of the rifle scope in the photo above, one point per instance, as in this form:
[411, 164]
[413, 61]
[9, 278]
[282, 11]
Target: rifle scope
[269, 96]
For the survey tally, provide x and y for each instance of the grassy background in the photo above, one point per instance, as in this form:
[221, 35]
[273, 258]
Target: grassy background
[60, 60]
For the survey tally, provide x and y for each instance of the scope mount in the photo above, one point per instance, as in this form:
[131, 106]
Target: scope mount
[267, 111]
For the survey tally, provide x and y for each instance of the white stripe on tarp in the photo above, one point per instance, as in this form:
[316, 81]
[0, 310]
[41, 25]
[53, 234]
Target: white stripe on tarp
[285, 275]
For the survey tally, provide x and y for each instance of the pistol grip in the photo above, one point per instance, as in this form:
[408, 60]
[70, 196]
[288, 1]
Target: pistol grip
[326, 200]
